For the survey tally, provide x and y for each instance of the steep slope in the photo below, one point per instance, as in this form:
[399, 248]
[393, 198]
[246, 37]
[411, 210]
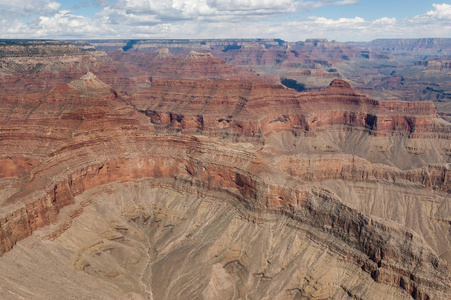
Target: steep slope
[195, 65]
[39, 66]
[405, 134]
[137, 241]
[138, 197]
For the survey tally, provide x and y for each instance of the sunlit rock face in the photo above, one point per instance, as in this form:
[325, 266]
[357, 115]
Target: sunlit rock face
[221, 189]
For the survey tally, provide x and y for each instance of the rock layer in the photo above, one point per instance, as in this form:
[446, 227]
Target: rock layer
[66, 145]
[250, 111]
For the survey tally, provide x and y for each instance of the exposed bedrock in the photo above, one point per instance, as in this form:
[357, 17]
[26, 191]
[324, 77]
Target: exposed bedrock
[36, 67]
[139, 241]
[200, 66]
[255, 109]
[387, 222]
[402, 134]
[391, 254]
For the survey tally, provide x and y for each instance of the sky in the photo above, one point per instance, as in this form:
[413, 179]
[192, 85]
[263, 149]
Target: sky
[290, 20]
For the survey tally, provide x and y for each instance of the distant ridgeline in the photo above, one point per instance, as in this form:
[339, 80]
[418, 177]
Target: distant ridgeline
[29, 41]
[441, 46]
[417, 46]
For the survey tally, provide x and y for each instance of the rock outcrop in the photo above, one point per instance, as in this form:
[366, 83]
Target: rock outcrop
[35, 67]
[251, 110]
[269, 192]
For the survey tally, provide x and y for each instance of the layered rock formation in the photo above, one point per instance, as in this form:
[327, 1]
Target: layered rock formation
[202, 66]
[35, 67]
[251, 111]
[222, 189]
[424, 46]
[41, 66]
[271, 57]
[382, 68]
[194, 66]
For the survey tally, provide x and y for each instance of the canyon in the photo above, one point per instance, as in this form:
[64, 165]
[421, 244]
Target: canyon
[178, 169]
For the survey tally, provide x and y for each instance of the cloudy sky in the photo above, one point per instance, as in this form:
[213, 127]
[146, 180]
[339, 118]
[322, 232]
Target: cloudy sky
[291, 20]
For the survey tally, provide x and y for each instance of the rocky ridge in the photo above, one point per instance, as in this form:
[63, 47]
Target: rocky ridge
[84, 137]
[404, 69]
[36, 67]
[250, 109]
[194, 66]
[417, 46]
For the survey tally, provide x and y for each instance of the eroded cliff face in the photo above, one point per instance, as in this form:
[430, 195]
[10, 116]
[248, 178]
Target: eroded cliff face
[35, 67]
[268, 192]
[381, 249]
[143, 239]
[198, 66]
[333, 120]
[417, 46]
[405, 69]
[167, 102]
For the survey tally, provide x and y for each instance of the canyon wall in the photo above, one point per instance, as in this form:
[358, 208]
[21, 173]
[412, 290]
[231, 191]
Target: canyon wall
[363, 183]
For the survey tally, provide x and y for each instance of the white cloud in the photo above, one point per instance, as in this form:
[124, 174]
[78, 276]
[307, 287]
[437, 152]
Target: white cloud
[385, 21]
[253, 5]
[189, 9]
[346, 2]
[310, 5]
[192, 9]
[341, 22]
[120, 16]
[163, 10]
[101, 3]
[61, 25]
[217, 19]
[442, 11]
[63, 22]
[145, 12]
[17, 8]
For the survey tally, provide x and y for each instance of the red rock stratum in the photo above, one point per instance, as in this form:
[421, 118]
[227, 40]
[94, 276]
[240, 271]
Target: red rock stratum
[222, 189]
